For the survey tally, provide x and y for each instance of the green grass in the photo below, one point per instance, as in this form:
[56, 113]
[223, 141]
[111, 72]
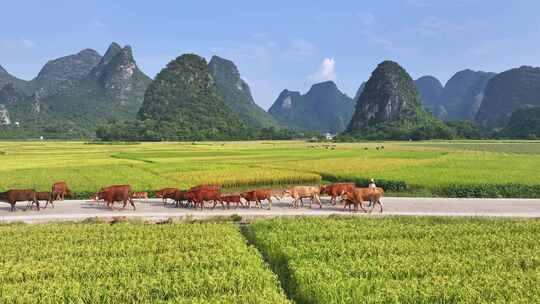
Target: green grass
[132, 263]
[403, 260]
[424, 166]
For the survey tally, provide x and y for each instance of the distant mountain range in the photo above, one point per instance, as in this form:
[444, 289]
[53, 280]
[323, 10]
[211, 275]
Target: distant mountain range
[459, 99]
[323, 108]
[73, 94]
[507, 92]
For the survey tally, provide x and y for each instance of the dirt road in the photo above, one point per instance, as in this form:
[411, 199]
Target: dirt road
[76, 210]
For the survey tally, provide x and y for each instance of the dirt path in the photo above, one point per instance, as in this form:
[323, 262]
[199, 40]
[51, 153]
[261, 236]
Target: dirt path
[78, 210]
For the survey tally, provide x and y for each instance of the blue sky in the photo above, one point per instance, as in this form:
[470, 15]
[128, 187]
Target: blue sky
[281, 44]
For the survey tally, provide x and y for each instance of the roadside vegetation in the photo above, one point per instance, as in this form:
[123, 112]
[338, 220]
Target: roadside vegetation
[431, 168]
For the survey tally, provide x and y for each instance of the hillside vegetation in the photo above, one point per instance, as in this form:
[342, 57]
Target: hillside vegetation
[390, 107]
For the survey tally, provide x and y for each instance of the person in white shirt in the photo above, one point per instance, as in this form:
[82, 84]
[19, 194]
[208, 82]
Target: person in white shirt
[372, 184]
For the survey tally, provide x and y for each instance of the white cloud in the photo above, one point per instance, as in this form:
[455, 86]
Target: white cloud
[327, 71]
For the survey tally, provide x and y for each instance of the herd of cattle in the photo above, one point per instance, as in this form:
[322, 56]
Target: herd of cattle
[197, 197]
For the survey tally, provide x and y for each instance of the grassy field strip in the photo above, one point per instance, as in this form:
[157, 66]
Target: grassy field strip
[403, 260]
[127, 263]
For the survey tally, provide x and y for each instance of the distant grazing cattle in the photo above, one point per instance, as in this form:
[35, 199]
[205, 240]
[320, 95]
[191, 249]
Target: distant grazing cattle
[116, 193]
[164, 193]
[59, 190]
[45, 196]
[257, 196]
[337, 190]
[19, 195]
[232, 199]
[141, 195]
[206, 193]
[360, 195]
[300, 192]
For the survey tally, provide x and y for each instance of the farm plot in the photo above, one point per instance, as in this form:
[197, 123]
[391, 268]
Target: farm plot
[463, 168]
[403, 260]
[132, 263]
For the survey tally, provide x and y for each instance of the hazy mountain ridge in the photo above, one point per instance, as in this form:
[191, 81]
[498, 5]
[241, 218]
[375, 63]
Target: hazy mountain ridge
[236, 93]
[431, 90]
[79, 91]
[323, 108]
[507, 92]
[459, 99]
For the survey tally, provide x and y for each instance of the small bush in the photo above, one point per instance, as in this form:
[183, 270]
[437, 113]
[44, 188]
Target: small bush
[489, 191]
[387, 185]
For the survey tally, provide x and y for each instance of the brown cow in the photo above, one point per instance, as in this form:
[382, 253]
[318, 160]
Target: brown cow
[200, 194]
[19, 195]
[59, 190]
[141, 195]
[179, 196]
[45, 196]
[165, 192]
[257, 196]
[300, 192]
[232, 199]
[361, 195]
[117, 193]
[337, 190]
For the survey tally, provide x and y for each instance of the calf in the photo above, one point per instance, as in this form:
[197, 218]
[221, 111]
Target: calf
[300, 192]
[360, 195]
[117, 193]
[337, 190]
[257, 196]
[19, 195]
[232, 199]
[163, 193]
[59, 190]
